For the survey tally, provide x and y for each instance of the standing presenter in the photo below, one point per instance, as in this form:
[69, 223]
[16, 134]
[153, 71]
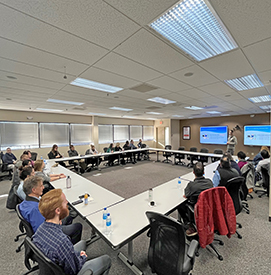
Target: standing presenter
[232, 142]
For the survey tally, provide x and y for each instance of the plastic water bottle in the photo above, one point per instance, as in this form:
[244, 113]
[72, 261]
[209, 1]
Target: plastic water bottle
[179, 183]
[150, 195]
[41, 157]
[108, 224]
[86, 198]
[68, 182]
[105, 212]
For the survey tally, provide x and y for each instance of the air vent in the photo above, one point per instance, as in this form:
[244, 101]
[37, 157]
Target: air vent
[153, 108]
[143, 88]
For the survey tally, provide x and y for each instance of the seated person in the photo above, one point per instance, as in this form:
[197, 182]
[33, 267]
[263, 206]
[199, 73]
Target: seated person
[133, 154]
[16, 170]
[224, 173]
[25, 172]
[72, 153]
[191, 192]
[28, 153]
[127, 146]
[111, 158]
[93, 161]
[139, 143]
[9, 159]
[50, 239]
[39, 166]
[120, 157]
[258, 157]
[232, 162]
[265, 160]
[29, 208]
[241, 159]
[54, 154]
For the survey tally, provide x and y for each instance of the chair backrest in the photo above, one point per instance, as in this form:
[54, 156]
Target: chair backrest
[26, 224]
[204, 150]
[167, 245]
[2, 155]
[248, 172]
[181, 148]
[265, 175]
[234, 187]
[168, 147]
[218, 151]
[193, 149]
[34, 156]
[105, 149]
[143, 145]
[46, 266]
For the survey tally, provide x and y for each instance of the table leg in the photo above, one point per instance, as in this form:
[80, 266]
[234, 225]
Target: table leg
[129, 261]
[99, 169]
[157, 156]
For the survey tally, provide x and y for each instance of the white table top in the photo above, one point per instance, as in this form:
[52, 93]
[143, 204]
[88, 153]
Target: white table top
[128, 217]
[79, 186]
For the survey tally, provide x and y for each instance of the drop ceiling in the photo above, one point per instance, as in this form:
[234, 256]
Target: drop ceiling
[110, 42]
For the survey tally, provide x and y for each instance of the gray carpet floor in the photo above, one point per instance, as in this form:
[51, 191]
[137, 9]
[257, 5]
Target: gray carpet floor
[249, 255]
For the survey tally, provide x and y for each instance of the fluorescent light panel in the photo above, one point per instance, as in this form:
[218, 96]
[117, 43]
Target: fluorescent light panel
[121, 109]
[161, 100]
[153, 113]
[247, 82]
[49, 110]
[85, 83]
[64, 101]
[194, 27]
[225, 115]
[258, 99]
[213, 112]
[266, 107]
[193, 108]
[177, 116]
[97, 114]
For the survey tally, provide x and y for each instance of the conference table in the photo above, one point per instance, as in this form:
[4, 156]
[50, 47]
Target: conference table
[129, 219]
[99, 196]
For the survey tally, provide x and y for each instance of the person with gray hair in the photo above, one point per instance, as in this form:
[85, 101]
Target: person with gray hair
[29, 208]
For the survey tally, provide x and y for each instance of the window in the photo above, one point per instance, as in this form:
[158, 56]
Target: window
[105, 134]
[81, 134]
[135, 132]
[147, 133]
[18, 135]
[54, 133]
[121, 133]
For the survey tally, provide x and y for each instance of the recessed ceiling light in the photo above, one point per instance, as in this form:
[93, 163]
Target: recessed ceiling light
[11, 77]
[85, 83]
[153, 113]
[49, 110]
[161, 100]
[177, 116]
[128, 116]
[266, 107]
[213, 112]
[121, 109]
[225, 115]
[258, 99]
[97, 114]
[193, 108]
[194, 27]
[188, 74]
[244, 83]
[64, 101]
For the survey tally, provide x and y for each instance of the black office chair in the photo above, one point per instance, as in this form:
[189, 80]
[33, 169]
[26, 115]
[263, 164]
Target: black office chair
[168, 251]
[34, 156]
[46, 266]
[192, 158]
[217, 151]
[203, 158]
[266, 181]
[234, 188]
[145, 154]
[167, 155]
[5, 168]
[179, 157]
[248, 172]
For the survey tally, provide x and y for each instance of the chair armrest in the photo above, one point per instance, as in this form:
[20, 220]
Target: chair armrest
[189, 258]
[192, 249]
[88, 272]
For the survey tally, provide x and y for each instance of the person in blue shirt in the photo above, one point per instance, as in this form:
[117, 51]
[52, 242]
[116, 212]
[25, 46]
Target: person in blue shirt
[29, 208]
[9, 158]
[50, 239]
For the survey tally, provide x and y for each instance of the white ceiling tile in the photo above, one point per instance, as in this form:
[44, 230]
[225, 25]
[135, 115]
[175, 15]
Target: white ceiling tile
[79, 17]
[32, 32]
[109, 78]
[254, 92]
[247, 20]
[169, 83]
[158, 92]
[31, 56]
[196, 93]
[265, 77]
[200, 77]
[229, 65]
[219, 88]
[147, 49]
[125, 67]
[142, 11]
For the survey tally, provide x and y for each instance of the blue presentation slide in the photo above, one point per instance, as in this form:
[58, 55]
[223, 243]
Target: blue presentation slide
[214, 135]
[257, 135]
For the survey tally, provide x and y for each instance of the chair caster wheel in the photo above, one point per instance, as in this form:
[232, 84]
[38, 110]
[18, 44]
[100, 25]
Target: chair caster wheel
[240, 226]
[197, 254]
[248, 212]
[16, 239]
[240, 237]
[18, 250]
[221, 243]
[220, 258]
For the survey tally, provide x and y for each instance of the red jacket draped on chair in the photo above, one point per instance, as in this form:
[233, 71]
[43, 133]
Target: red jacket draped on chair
[214, 211]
